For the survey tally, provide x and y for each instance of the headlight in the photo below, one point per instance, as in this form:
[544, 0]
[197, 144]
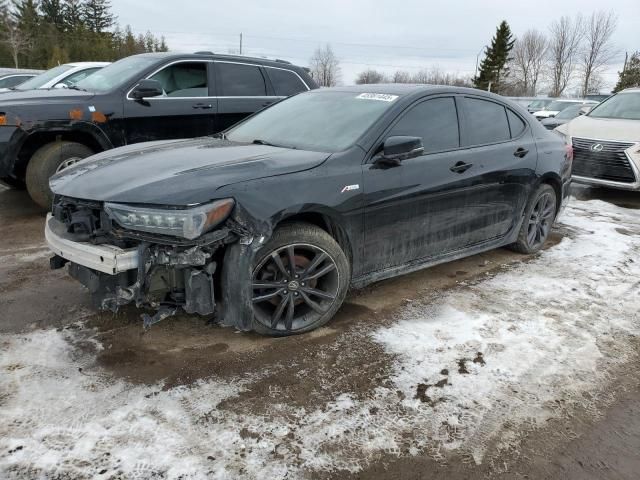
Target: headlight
[188, 223]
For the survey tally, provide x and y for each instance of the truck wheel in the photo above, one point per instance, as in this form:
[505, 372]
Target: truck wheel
[538, 220]
[299, 281]
[47, 160]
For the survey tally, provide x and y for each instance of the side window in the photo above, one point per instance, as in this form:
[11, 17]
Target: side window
[285, 82]
[516, 124]
[238, 80]
[76, 77]
[435, 121]
[486, 122]
[184, 79]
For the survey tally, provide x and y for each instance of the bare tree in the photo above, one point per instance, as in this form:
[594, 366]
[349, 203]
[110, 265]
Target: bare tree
[598, 50]
[435, 76]
[324, 66]
[15, 39]
[401, 76]
[370, 76]
[564, 46]
[527, 61]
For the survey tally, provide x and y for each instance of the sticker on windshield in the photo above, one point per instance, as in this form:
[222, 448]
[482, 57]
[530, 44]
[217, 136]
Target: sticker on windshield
[383, 97]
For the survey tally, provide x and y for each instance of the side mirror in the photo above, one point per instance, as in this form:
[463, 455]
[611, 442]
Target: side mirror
[61, 85]
[584, 110]
[147, 88]
[401, 148]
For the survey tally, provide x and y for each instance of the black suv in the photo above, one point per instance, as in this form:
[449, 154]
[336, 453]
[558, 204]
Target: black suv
[145, 97]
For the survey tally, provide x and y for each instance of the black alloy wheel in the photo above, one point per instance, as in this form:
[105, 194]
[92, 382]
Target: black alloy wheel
[298, 286]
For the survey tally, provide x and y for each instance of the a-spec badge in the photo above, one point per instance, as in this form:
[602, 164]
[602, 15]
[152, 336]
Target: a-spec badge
[349, 188]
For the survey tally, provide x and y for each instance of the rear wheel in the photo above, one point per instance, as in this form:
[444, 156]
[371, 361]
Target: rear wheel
[538, 220]
[299, 281]
[47, 160]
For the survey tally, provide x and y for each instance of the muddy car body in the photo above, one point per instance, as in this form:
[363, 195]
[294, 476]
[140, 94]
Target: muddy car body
[328, 189]
[140, 98]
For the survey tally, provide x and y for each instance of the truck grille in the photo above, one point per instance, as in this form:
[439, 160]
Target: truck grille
[606, 163]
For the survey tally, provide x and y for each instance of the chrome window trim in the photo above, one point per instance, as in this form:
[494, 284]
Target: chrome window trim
[212, 97]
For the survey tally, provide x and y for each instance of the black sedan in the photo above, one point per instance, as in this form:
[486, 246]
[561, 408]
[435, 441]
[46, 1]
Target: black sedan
[268, 224]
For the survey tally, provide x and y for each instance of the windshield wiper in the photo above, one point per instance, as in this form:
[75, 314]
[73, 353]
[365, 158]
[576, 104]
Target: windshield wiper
[75, 87]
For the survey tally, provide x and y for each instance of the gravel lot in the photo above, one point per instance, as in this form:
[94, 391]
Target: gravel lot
[497, 365]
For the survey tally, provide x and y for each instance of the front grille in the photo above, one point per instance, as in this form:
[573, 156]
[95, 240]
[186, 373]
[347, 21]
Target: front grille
[606, 163]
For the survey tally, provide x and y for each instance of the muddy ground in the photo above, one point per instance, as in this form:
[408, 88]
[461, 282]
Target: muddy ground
[183, 351]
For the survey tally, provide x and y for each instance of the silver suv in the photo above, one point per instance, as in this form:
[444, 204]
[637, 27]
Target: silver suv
[606, 142]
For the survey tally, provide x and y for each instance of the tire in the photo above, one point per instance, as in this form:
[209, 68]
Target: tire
[45, 162]
[310, 245]
[533, 220]
[12, 183]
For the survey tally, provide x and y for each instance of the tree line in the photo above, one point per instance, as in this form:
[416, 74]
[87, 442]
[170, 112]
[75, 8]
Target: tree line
[45, 33]
[573, 51]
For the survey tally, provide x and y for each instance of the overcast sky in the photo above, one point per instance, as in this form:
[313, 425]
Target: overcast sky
[386, 35]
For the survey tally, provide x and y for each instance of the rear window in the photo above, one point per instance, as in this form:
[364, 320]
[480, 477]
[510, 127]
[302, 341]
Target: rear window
[486, 122]
[285, 82]
[516, 124]
[237, 80]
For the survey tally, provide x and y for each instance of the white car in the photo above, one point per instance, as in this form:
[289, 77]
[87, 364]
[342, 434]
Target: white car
[606, 142]
[62, 76]
[557, 106]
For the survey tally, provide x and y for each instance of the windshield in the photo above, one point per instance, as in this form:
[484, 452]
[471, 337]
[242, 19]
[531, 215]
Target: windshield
[320, 120]
[570, 112]
[558, 105]
[625, 106]
[117, 74]
[539, 103]
[39, 80]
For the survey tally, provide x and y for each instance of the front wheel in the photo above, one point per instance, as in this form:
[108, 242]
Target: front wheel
[49, 159]
[538, 219]
[300, 279]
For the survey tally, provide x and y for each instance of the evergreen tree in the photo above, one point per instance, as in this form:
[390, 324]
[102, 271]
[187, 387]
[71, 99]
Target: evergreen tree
[630, 76]
[493, 69]
[97, 15]
[73, 15]
[52, 13]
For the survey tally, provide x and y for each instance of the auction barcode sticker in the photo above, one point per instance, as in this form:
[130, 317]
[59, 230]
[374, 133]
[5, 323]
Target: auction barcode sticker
[383, 97]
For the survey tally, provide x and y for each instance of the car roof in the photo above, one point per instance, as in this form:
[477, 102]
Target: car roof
[88, 64]
[219, 56]
[632, 89]
[409, 89]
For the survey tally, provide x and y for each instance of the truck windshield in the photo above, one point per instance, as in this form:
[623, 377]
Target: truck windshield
[39, 80]
[117, 74]
[320, 120]
[625, 106]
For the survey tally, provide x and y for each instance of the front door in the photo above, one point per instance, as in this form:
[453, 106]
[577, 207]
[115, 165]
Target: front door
[186, 109]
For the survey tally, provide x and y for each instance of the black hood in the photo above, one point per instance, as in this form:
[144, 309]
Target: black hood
[177, 172]
[40, 96]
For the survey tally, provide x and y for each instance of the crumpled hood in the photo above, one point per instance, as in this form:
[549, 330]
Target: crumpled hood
[176, 172]
[602, 129]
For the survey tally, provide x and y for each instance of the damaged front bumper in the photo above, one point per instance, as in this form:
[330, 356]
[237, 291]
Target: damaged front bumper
[161, 276]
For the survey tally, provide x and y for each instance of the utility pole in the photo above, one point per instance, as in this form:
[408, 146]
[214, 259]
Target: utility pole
[240, 43]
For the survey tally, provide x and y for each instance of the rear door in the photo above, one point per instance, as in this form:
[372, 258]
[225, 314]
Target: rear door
[242, 90]
[186, 109]
[499, 145]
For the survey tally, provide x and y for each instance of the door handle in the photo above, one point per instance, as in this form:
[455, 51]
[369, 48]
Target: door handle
[461, 167]
[520, 152]
[203, 106]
